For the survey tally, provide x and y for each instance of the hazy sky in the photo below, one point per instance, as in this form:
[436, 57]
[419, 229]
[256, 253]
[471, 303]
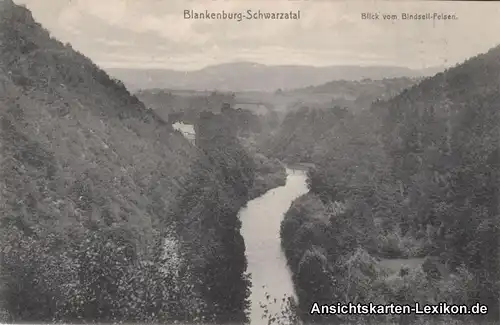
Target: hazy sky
[154, 33]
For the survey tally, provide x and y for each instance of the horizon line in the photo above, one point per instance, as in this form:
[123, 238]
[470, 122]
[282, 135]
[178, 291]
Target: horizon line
[112, 66]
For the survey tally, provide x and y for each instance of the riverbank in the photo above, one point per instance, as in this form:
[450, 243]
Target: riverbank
[269, 174]
[271, 193]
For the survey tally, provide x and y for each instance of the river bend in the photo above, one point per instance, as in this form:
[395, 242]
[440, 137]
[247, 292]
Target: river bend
[261, 221]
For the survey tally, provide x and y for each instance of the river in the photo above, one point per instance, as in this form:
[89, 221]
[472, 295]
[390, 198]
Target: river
[261, 221]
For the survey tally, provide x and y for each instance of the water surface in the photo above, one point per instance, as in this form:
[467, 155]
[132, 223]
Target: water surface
[261, 221]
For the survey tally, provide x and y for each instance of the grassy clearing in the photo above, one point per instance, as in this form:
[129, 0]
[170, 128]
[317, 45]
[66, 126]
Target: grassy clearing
[393, 265]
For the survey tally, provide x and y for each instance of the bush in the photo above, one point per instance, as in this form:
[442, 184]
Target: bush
[97, 276]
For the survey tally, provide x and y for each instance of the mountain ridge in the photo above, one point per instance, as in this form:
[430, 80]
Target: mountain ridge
[250, 76]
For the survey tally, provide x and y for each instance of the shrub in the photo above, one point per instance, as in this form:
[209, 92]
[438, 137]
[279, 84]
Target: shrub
[97, 276]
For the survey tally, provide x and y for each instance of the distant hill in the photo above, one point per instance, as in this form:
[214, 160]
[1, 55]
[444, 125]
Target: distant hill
[247, 76]
[356, 95]
[386, 88]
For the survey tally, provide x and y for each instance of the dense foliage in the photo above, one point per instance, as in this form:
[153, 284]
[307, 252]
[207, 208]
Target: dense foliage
[443, 138]
[299, 137]
[317, 109]
[269, 173]
[190, 104]
[106, 213]
[417, 176]
[207, 212]
[381, 88]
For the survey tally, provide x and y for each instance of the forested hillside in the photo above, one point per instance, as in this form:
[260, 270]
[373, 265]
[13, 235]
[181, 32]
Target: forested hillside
[245, 125]
[415, 177]
[208, 224]
[356, 95]
[96, 192]
[382, 88]
[443, 140]
[303, 130]
[300, 136]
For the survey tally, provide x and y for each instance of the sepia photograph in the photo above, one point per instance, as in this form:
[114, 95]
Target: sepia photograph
[231, 162]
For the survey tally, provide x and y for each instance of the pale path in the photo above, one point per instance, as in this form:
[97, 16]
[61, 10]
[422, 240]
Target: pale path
[261, 221]
[187, 130]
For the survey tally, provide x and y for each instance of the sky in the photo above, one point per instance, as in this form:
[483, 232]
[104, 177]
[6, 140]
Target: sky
[155, 33]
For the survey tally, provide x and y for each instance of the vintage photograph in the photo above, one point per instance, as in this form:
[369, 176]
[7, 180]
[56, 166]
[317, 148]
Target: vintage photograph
[285, 162]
